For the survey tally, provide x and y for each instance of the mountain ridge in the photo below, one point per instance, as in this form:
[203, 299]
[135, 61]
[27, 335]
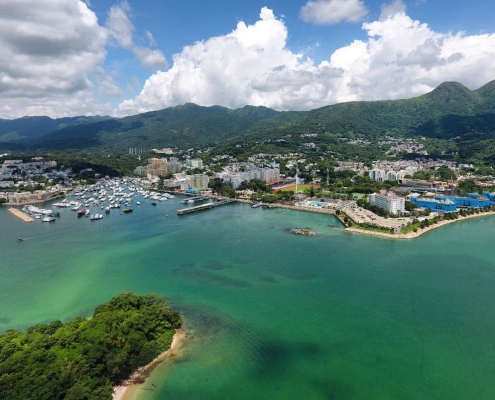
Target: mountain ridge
[444, 113]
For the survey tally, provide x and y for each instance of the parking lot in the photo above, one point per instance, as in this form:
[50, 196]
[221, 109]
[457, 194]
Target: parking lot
[363, 216]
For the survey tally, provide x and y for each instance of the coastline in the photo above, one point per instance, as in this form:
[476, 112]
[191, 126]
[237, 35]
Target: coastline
[126, 389]
[414, 235]
[24, 203]
[328, 211]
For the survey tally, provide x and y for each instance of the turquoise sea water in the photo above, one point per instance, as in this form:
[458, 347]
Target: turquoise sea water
[273, 315]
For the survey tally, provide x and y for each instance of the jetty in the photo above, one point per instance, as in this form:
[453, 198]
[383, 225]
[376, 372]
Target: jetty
[20, 214]
[206, 206]
[194, 199]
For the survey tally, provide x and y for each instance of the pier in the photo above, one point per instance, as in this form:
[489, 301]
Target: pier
[206, 206]
[21, 215]
[194, 199]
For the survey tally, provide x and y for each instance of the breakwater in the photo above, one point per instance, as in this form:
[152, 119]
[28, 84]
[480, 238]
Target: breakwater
[21, 215]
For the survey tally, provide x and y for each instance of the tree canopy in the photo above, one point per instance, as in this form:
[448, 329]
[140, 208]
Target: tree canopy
[84, 358]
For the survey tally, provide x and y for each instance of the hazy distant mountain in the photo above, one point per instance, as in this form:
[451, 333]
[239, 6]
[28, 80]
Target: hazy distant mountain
[448, 111]
[187, 125]
[25, 129]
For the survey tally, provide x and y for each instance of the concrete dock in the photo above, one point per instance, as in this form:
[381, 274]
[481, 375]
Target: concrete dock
[206, 206]
[21, 215]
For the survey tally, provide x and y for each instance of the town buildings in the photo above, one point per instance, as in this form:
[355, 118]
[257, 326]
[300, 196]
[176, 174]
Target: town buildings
[388, 202]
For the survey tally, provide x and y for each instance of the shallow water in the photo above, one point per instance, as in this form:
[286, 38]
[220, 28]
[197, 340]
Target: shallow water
[274, 315]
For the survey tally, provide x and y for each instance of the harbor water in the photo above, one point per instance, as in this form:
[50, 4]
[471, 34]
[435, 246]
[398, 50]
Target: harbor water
[269, 314]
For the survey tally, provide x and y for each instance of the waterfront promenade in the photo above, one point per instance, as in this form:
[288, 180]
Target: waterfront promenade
[293, 207]
[419, 232]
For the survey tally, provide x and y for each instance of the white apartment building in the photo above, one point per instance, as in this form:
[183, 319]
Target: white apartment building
[391, 203]
[199, 181]
[377, 175]
[194, 163]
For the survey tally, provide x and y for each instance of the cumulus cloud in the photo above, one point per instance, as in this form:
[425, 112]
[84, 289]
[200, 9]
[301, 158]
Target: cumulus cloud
[252, 65]
[48, 49]
[121, 30]
[389, 10]
[327, 12]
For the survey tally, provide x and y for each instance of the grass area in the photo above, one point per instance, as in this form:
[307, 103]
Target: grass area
[411, 228]
[358, 195]
[300, 188]
[371, 228]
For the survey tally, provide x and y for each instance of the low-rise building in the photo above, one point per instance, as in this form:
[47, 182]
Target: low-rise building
[444, 205]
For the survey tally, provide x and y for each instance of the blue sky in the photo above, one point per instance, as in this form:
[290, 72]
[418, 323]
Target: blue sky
[107, 57]
[178, 24]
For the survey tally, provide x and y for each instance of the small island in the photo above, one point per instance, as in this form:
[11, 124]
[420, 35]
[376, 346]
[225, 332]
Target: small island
[85, 358]
[302, 231]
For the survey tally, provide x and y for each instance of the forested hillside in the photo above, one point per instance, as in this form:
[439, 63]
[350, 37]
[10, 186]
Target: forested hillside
[451, 112]
[84, 358]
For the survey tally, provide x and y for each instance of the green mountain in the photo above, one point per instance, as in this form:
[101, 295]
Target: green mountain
[451, 111]
[25, 129]
[442, 113]
[184, 126]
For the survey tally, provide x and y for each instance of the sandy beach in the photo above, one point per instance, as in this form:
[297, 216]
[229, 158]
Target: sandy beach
[413, 235]
[124, 391]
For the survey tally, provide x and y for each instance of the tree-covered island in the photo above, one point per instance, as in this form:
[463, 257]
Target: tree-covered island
[83, 358]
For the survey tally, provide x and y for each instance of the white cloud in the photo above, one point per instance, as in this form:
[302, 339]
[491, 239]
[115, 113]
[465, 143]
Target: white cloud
[326, 12]
[48, 51]
[121, 30]
[151, 39]
[389, 10]
[252, 65]
[120, 26]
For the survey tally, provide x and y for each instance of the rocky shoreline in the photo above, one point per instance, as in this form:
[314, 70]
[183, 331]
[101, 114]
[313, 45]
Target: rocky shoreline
[302, 231]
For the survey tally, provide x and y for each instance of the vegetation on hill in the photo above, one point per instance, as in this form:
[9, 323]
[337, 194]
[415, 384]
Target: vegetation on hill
[458, 123]
[28, 128]
[184, 126]
[84, 358]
